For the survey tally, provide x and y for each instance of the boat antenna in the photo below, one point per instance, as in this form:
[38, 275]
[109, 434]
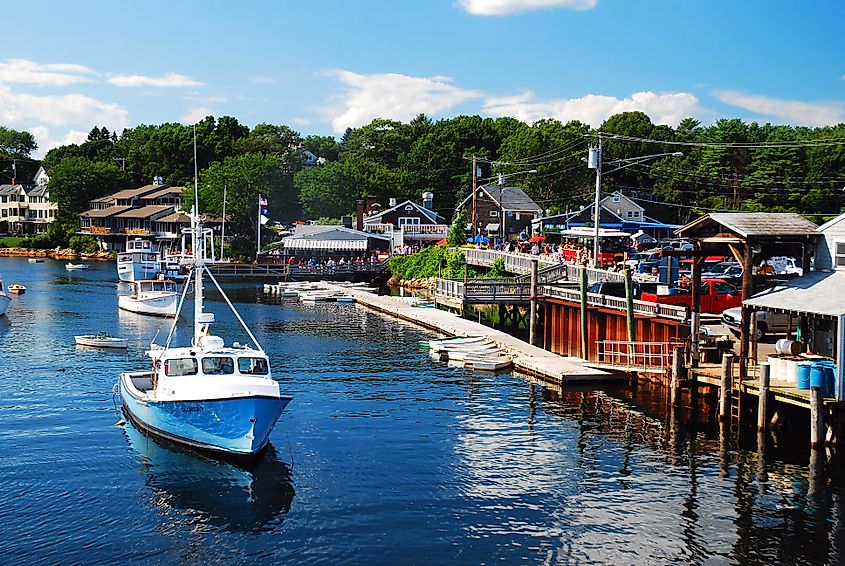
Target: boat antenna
[198, 249]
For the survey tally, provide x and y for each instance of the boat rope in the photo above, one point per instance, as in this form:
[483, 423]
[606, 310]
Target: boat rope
[176, 318]
[228, 302]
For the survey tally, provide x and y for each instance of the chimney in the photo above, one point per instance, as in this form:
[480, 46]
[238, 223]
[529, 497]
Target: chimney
[392, 202]
[359, 215]
[428, 201]
[158, 180]
[346, 221]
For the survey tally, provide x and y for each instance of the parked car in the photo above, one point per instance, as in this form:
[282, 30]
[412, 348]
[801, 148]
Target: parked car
[617, 288]
[767, 322]
[647, 257]
[732, 273]
[784, 265]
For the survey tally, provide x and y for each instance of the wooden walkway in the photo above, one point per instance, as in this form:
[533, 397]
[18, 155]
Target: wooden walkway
[527, 358]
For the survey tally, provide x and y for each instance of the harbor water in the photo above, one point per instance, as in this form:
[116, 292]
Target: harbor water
[385, 456]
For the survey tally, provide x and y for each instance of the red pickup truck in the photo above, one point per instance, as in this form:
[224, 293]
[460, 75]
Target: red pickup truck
[716, 296]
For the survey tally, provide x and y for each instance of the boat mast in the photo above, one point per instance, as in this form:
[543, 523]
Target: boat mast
[198, 249]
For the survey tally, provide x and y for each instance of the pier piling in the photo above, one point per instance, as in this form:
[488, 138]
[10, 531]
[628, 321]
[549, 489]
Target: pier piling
[677, 369]
[725, 389]
[763, 397]
[816, 418]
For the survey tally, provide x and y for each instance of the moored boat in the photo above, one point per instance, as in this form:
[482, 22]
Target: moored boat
[16, 289]
[158, 297]
[205, 395]
[4, 299]
[74, 266]
[100, 340]
[35, 260]
[140, 261]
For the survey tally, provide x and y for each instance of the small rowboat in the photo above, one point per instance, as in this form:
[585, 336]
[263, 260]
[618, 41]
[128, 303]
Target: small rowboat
[71, 266]
[16, 288]
[492, 363]
[100, 340]
[35, 260]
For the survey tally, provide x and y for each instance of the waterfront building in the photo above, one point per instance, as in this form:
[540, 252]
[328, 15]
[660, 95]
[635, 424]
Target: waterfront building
[323, 242]
[618, 211]
[27, 209]
[500, 211]
[409, 223]
[151, 211]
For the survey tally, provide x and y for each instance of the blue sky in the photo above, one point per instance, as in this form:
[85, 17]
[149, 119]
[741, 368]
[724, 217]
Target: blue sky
[323, 66]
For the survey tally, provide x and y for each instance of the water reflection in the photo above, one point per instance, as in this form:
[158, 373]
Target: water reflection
[185, 486]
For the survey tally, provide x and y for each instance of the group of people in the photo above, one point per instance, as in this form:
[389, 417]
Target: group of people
[330, 264]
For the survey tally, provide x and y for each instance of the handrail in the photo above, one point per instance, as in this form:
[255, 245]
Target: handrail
[634, 355]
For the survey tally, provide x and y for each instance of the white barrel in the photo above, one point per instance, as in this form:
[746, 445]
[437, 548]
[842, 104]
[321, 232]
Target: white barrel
[792, 370]
[788, 347]
[776, 368]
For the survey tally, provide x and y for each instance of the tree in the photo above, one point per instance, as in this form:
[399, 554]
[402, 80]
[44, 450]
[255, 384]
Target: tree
[325, 190]
[15, 144]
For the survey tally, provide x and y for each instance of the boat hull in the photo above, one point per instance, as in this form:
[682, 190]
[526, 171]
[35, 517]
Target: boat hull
[137, 271]
[165, 305]
[238, 426]
[93, 342]
[5, 300]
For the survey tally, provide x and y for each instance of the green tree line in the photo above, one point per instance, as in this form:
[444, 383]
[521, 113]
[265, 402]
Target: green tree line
[728, 165]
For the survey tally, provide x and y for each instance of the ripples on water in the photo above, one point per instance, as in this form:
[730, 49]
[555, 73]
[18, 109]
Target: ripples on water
[384, 457]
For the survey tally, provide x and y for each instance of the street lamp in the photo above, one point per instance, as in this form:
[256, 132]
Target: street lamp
[594, 161]
[501, 182]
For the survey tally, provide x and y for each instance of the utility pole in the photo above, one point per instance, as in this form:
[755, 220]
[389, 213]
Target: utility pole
[474, 210]
[594, 161]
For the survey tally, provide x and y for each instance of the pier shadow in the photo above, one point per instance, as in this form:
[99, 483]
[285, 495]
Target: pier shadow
[191, 487]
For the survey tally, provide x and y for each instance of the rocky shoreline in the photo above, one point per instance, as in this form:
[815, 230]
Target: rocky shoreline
[423, 283]
[56, 253]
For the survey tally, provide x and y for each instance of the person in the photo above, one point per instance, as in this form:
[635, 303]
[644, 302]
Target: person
[766, 268]
[292, 261]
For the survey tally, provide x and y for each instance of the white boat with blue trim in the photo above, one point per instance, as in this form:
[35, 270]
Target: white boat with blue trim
[5, 299]
[205, 395]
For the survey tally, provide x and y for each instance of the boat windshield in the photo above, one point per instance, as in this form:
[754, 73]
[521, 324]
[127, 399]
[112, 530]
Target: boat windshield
[253, 366]
[180, 366]
[218, 366]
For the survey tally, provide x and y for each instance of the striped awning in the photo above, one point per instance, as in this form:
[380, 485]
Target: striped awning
[338, 245]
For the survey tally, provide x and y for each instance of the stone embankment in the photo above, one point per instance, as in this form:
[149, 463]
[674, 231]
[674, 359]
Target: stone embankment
[424, 283]
[56, 253]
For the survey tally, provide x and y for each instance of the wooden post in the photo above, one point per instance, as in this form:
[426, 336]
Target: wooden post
[695, 310]
[677, 370]
[763, 398]
[629, 303]
[725, 390]
[532, 320]
[747, 291]
[816, 418]
[724, 459]
[585, 353]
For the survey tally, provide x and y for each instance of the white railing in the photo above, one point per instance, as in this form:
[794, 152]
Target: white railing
[618, 303]
[438, 229]
[646, 356]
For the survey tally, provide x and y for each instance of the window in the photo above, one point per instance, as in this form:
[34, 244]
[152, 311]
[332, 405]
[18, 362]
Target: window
[724, 288]
[839, 260]
[253, 366]
[616, 198]
[494, 213]
[630, 214]
[409, 221]
[218, 366]
[183, 366]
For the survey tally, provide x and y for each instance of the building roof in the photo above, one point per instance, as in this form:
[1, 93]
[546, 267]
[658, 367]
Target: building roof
[9, 189]
[132, 193]
[146, 211]
[430, 214]
[105, 212]
[747, 224]
[38, 191]
[331, 238]
[832, 222]
[167, 190]
[513, 199]
[818, 292]
[178, 216]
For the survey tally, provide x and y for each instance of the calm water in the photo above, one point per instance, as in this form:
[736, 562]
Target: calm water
[384, 457]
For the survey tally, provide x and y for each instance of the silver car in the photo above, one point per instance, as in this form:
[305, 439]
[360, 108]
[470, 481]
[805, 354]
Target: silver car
[767, 322]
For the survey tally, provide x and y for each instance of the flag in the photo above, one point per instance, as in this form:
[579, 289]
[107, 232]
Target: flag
[262, 201]
[263, 219]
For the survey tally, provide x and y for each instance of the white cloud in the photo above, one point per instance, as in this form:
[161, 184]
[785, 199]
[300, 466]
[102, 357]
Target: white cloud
[168, 80]
[392, 96]
[46, 142]
[593, 109]
[24, 71]
[790, 111]
[261, 79]
[196, 114]
[59, 110]
[506, 7]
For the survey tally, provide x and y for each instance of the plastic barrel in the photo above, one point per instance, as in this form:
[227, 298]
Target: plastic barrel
[803, 375]
[791, 375]
[818, 377]
[788, 347]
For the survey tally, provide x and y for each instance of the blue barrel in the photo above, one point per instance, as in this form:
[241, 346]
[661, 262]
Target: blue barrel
[830, 374]
[803, 377]
[818, 378]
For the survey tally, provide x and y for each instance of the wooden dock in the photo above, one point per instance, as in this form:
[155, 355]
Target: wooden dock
[527, 358]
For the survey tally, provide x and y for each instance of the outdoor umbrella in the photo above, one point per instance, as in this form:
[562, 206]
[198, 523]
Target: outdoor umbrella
[479, 239]
[442, 242]
[534, 239]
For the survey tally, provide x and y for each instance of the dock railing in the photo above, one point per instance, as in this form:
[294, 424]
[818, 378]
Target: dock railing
[642, 356]
[618, 303]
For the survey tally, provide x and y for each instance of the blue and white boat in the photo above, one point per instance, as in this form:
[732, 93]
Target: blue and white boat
[4, 299]
[205, 395]
[141, 260]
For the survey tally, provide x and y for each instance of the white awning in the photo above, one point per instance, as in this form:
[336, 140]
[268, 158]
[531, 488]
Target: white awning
[492, 227]
[337, 245]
